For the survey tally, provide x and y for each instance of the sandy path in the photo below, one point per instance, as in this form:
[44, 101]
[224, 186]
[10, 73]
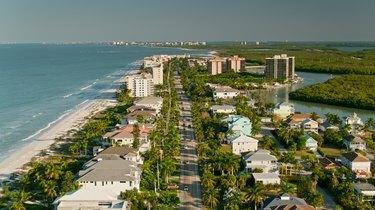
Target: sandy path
[73, 120]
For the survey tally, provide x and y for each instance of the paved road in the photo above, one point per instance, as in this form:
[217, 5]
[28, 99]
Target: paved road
[329, 203]
[190, 185]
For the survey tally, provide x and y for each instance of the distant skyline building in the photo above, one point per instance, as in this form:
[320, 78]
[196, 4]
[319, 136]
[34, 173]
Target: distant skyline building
[216, 65]
[280, 66]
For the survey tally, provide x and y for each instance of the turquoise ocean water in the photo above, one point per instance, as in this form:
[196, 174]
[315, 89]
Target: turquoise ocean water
[41, 82]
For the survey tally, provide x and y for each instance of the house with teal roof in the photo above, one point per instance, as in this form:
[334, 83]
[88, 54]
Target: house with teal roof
[239, 123]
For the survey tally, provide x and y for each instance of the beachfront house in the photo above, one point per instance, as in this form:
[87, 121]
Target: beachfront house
[223, 109]
[359, 164]
[283, 109]
[141, 116]
[261, 159]
[242, 143]
[238, 123]
[124, 152]
[310, 142]
[286, 202]
[353, 142]
[309, 125]
[266, 178]
[117, 175]
[101, 199]
[151, 102]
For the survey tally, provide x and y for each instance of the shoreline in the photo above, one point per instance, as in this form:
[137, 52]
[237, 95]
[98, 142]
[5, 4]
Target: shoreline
[48, 135]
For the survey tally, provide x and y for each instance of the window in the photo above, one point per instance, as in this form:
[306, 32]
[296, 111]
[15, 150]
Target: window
[102, 183]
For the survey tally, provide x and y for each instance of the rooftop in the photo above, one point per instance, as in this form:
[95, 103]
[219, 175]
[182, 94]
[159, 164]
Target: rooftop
[260, 155]
[224, 106]
[258, 176]
[364, 186]
[149, 100]
[355, 157]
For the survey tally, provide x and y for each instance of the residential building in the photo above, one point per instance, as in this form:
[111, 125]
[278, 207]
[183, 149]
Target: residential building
[355, 123]
[366, 190]
[236, 63]
[216, 65]
[239, 123]
[225, 92]
[90, 199]
[327, 164]
[296, 119]
[310, 142]
[353, 142]
[118, 175]
[266, 178]
[286, 202]
[150, 102]
[242, 143]
[125, 136]
[135, 108]
[138, 116]
[261, 159]
[223, 109]
[359, 164]
[157, 75]
[126, 153]
[327, 125]
[309, 125]
[283, 109]
[280, 66]
[140, 85]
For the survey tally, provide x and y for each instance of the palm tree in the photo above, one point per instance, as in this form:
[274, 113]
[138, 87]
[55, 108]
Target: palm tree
[370, 124]
[255, 195]
[242, 180]
[18, 199]
[210, 198]
[287, 188]
[314, 116]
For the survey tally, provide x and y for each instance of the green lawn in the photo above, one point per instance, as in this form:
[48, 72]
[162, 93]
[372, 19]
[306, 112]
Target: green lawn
[331, 152]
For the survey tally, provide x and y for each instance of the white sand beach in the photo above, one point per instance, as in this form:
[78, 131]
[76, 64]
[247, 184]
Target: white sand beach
[73, 120]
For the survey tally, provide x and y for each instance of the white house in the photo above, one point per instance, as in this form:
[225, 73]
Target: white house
[366, 190]
[283, 109]
[309, 125]
[242, 143]
[261, 159]
[124, 152]
[151, 102]
[223, 109]
[266, 178]
[286, 202]
[310, 143]
[225, 92]
[99, 199]
[354, 142]
[355, 123]
[357, 163]
[118, 175]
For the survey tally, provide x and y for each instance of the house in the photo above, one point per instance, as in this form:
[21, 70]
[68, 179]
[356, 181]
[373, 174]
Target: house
[286, 202]
[266, 178]
[223, 109]
[124, 136]
[239, 123]
[134, 108]
[354, 142]
[242, 143]
[296, 119]
[140, 115]
[355, 123]
[151, 102]
[100, 199]
[126, 153]
[359, 164]
[327, 125]
[366, 190]
[225, 92]
[118, 175]
[327, 164]
[309, 125]
[310, 142]
[261, 159]
[283, 109]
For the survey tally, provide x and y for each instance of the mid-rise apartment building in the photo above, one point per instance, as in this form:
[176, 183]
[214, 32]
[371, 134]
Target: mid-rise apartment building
[280, 66]
[140, 85]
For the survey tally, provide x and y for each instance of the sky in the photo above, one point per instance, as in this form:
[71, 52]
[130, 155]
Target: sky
[174, 20]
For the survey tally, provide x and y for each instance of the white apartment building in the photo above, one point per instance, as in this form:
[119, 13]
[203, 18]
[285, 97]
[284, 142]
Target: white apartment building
[242, 143]
[140, 85]
[157, 75]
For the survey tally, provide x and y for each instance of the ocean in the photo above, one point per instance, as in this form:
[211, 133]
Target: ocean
[40, 83]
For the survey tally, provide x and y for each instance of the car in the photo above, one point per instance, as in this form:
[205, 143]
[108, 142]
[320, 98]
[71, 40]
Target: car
[186, 188]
